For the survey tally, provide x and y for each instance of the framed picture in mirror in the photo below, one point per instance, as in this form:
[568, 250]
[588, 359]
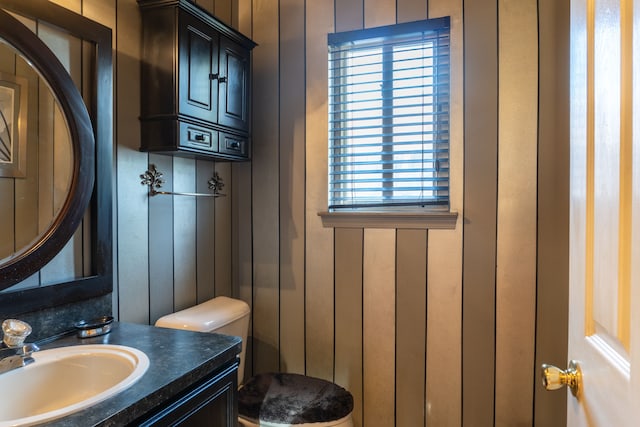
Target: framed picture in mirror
[13, 112]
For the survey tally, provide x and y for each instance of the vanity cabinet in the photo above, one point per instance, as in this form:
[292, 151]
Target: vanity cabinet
[195, 83]
[212, 401]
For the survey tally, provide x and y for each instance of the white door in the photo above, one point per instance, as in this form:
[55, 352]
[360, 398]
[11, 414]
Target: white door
[604, 312]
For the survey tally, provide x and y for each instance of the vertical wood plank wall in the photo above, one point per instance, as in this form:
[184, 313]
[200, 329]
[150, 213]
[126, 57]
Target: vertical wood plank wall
[455, 323]
[424, 327]
[173, 252]
[553, 209]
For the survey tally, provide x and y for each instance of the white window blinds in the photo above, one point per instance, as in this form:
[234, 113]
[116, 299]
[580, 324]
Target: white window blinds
[389, 116]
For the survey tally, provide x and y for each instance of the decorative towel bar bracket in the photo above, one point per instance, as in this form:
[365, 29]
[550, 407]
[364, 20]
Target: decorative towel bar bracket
[153, 178]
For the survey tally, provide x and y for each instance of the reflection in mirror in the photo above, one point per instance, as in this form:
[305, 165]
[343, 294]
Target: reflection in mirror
[76, 253]
[49, 179]
[36, 155]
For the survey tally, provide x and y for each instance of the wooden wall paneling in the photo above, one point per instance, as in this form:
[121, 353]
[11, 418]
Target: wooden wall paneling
[208, 5]
[242, 232]
[132, 252]
[26, 189]
[8, 58]
[61, 267]
[411, 327]
[266, 274]
[242, 210]
[319, 301]
[517, 212]
[553, 206]
[292, 179]
[245, 17]
[26, 218]
[62, 159]
[444, 276]
[75, 5]
[444, 380]
[412, 10]
[45, 157]
[235, 14]
[224, 11]
[184, 234]
[161, 248]
[102, 11]
[379, 327]
[205, 233]
[348, 315]
[349, 15]
[67, 264]
[222, 244]
[7, 187]
[480, 194]
[379, 12]
[64, 266]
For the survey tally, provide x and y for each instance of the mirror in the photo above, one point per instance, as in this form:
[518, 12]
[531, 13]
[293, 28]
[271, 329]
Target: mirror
[37, 166]
[86, 178]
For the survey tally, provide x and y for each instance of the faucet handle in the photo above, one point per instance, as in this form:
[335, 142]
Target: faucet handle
[15, 332]
[28, 349]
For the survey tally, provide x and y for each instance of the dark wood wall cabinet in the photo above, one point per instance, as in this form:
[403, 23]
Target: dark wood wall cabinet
[196, 83]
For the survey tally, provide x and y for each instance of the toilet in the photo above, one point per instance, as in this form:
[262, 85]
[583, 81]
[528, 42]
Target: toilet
[268, 399]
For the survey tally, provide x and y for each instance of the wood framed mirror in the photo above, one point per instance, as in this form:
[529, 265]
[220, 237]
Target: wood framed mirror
[86, 105]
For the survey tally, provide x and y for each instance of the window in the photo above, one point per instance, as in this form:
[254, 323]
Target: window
[389, 116]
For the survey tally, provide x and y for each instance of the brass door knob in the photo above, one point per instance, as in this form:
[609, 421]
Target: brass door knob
[554, 378]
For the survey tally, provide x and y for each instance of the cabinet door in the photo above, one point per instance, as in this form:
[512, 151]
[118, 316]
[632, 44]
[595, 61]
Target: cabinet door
[198, 47]
[212, 402]
[233, 103]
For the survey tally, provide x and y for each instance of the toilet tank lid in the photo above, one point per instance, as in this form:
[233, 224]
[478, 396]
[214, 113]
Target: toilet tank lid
[207, 316]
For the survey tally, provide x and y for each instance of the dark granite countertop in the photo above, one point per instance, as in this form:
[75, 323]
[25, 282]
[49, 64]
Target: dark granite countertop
[177, 360]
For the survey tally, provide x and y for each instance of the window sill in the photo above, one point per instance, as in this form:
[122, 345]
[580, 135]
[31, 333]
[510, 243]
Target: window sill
[444, 220]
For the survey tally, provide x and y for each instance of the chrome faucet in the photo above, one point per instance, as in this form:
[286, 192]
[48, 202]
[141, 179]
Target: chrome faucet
[15, 353]
[16, 357]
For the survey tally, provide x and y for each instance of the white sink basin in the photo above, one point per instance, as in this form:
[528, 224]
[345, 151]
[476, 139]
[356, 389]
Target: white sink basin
[67, 379]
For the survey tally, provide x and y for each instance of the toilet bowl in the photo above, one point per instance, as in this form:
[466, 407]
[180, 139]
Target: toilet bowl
[311, 402]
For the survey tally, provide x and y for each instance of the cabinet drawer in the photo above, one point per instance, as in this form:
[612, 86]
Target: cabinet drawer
[234, 145]
[197, 137]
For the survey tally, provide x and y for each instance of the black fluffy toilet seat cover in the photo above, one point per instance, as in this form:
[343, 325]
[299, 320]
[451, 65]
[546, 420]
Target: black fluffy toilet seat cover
[293, 399]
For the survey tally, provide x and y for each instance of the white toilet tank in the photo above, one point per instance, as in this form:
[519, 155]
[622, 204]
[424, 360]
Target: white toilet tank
[222, 315]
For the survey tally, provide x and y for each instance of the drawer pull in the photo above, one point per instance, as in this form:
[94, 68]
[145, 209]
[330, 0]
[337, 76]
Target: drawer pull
[201, 137]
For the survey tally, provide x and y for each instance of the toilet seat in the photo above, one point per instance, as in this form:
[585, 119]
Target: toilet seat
[293, 400]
